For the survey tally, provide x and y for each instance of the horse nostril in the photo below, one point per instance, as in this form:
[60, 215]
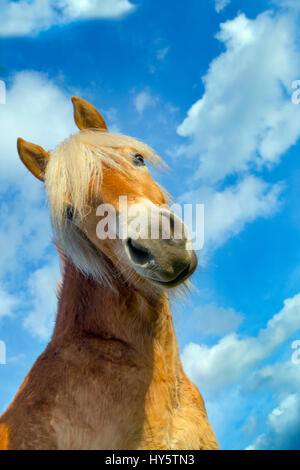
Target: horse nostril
[138, 253]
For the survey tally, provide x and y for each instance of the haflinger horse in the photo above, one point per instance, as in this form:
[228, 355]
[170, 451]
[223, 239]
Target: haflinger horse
[111, 375]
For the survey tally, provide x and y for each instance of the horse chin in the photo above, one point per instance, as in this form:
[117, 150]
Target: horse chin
[175, 282]
[180, 279]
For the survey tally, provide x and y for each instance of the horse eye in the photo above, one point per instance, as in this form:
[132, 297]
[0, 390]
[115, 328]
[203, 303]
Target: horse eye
[138, 160]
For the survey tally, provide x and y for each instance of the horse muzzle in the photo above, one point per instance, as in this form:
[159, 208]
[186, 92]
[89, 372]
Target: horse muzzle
[166, 259]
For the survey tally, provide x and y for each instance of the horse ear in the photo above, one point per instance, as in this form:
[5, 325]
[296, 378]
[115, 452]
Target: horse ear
[34, 157]
[86, 115]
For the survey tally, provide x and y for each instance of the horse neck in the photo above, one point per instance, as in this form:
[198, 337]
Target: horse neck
[87, 308]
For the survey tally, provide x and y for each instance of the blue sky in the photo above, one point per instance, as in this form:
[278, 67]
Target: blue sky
[209, 86]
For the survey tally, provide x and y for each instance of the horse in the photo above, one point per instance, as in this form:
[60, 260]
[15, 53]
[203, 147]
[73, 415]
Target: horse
[111, 377]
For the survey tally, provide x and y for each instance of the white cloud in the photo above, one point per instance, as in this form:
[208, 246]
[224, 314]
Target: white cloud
[161, 53]
[278, 377]
[283, 380]
[223, 364]
[244, 121]
[211, 319]
[42, 286]
[245, 118]
[25, 17]
[293, 4]
[228, 211]
[86, 9]
[250, 426]
[221, 4]
[144, 100]
[8, 303]
[39, 111]
[283, 427]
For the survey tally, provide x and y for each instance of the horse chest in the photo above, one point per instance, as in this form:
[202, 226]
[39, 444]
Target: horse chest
[102, 412]
[121, 413]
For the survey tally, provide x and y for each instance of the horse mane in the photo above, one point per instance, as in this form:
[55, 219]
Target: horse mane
[73, 176]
